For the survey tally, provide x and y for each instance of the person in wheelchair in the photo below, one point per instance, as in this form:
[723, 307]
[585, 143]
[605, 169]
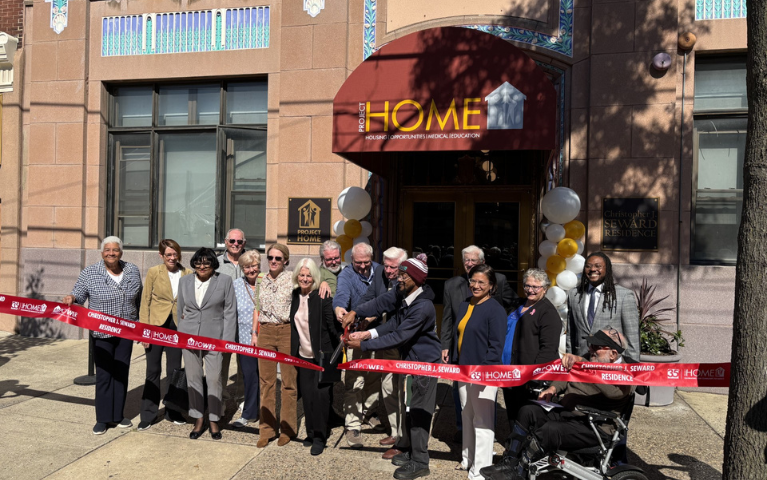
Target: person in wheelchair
[538, 432]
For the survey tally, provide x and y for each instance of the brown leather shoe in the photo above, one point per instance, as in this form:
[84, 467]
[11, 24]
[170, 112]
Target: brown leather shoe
[390, 453]
[263, 441]
[388, 441]
[284, 440]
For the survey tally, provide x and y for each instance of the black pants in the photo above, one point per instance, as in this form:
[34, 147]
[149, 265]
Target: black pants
[112, 359]
[150, 399]
[249, 369]
[514, 398]
[316, 398]
[418, 421]
[557, 429]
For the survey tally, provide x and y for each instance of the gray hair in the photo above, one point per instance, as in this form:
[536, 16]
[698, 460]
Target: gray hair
[329, 245]
[112, 239]
[309, 264]
[473, 249]
[537, 274]
[235, 230]
[249, 258]
[363, 249]
[395, 253]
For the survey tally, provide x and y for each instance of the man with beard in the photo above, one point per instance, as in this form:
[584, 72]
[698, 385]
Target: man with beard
[412, 329]
[538, 432]
[331, 266]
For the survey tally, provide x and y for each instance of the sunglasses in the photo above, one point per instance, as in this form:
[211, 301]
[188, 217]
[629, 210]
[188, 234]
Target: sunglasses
[233, 241]
[202, 264]
[276, 259]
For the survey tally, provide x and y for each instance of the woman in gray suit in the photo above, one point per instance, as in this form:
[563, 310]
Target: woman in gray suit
[206, 307]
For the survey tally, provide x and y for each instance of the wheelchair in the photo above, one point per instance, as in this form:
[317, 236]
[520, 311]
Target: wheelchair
[593, 463]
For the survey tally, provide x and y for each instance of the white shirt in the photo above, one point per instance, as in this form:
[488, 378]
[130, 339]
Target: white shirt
[408, 300]
[117, 278]
[199, 290]
[587, 298]
[174, 278]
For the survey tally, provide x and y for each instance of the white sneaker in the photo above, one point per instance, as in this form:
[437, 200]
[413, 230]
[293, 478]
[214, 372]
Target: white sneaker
[240, 422]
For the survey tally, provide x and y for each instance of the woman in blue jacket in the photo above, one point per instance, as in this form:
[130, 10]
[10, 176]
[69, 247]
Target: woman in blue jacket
[480, 337]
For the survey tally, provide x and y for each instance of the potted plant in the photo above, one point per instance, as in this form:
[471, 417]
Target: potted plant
[656, 341]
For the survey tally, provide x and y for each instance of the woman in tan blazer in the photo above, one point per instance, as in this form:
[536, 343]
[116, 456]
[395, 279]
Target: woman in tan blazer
[158, 307]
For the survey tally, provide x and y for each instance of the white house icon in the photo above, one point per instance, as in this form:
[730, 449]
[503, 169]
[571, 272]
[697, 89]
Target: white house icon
[505, 108]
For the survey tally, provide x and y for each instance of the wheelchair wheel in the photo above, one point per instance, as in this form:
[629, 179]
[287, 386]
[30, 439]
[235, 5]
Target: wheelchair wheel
[629, 475]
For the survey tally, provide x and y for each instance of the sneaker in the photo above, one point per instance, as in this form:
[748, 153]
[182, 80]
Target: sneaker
[125, 423]
[240, 422]
[506, 468]
[411, 470]
[144, 426]
[354, 439]
[100, 428]
[401, 459]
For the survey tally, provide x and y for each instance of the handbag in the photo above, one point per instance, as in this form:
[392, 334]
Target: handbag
[331, 374]
[177, 398]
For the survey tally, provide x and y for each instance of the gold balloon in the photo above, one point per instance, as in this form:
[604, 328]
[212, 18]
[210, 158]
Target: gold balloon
[556, 264]
[345, 241]
[552, 279]
[574, 229]
[567, 247]
[353, 228]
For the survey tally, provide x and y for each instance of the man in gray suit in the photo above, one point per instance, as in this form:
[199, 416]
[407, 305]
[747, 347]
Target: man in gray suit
[597, 302]
[456, 291]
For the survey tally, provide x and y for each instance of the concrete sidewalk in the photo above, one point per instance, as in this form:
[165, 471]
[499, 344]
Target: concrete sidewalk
[46, 422]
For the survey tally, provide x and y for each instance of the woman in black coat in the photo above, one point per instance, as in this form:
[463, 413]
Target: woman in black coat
[536, 337]
[314, 331]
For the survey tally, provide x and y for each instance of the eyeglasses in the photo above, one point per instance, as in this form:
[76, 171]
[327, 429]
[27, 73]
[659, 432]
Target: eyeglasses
[470, 261]
[276, 259]
[332, 259]
[532, 288]
[478, 283]
[170, 255]
[202, 264]
[233, 241]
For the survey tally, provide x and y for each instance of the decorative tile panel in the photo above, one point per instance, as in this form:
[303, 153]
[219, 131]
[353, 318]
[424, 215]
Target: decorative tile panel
[182, 32]
[59, 14]
[719, 9]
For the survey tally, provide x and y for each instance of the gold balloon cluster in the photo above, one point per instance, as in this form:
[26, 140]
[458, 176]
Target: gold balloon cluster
[566, 248]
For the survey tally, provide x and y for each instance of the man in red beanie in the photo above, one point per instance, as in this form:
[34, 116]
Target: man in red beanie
[413, 330]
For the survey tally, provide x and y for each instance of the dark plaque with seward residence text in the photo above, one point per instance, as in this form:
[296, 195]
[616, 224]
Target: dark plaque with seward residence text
[630, 224]
[308, 220]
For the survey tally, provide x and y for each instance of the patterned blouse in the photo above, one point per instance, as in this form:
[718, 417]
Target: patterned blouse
[275, 296]
[105, 295]
[247, 302]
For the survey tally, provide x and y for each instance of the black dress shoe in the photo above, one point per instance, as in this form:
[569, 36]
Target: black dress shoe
[215, 435]
[318, 446]
[194, 435]
[308, 442]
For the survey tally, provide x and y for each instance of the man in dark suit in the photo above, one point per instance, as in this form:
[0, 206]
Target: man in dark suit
[598, 302]
[456, 291]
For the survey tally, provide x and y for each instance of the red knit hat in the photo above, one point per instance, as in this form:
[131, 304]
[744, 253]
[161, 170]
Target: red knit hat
[416, 269]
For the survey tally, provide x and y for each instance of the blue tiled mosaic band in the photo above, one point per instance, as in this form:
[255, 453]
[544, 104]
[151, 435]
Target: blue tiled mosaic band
[182, 32]
[719, 9]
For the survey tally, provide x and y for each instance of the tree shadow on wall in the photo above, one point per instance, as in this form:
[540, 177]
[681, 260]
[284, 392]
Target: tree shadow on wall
[38, 327]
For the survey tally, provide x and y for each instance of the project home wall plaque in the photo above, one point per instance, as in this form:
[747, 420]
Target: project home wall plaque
[630, 224]
[308, 220]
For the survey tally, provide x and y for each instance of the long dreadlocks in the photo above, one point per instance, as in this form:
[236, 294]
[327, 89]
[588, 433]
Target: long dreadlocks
[608, 290]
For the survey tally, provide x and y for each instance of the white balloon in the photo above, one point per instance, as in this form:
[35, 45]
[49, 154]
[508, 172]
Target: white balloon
[341, 197]
[338, 227]
[542, 263]
[575, 263]
[561, 205]
[367, 229]
[556, 296]
[562, 310]
[361, 239]
[566, 280]
[580, 246]
[348, 256]
[544, 226]
[555, 232]
[547, 248]
[356, 203]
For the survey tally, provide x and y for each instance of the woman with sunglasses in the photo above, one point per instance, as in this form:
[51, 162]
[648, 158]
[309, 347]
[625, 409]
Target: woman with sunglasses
[158, 307]
[479, 335]
[275, 295]
[532, 335]
[207, 307]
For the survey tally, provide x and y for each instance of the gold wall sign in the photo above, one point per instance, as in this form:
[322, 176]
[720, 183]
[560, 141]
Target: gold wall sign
[308, 220]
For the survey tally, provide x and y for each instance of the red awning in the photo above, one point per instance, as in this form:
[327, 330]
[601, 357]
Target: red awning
[444, 89]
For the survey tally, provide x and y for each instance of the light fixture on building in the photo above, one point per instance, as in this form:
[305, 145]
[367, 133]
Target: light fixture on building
[687, 41]
[7, 51]
[661, 61]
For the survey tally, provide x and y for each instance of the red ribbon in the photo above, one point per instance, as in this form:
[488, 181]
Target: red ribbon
[655, 374]
[136, 331]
